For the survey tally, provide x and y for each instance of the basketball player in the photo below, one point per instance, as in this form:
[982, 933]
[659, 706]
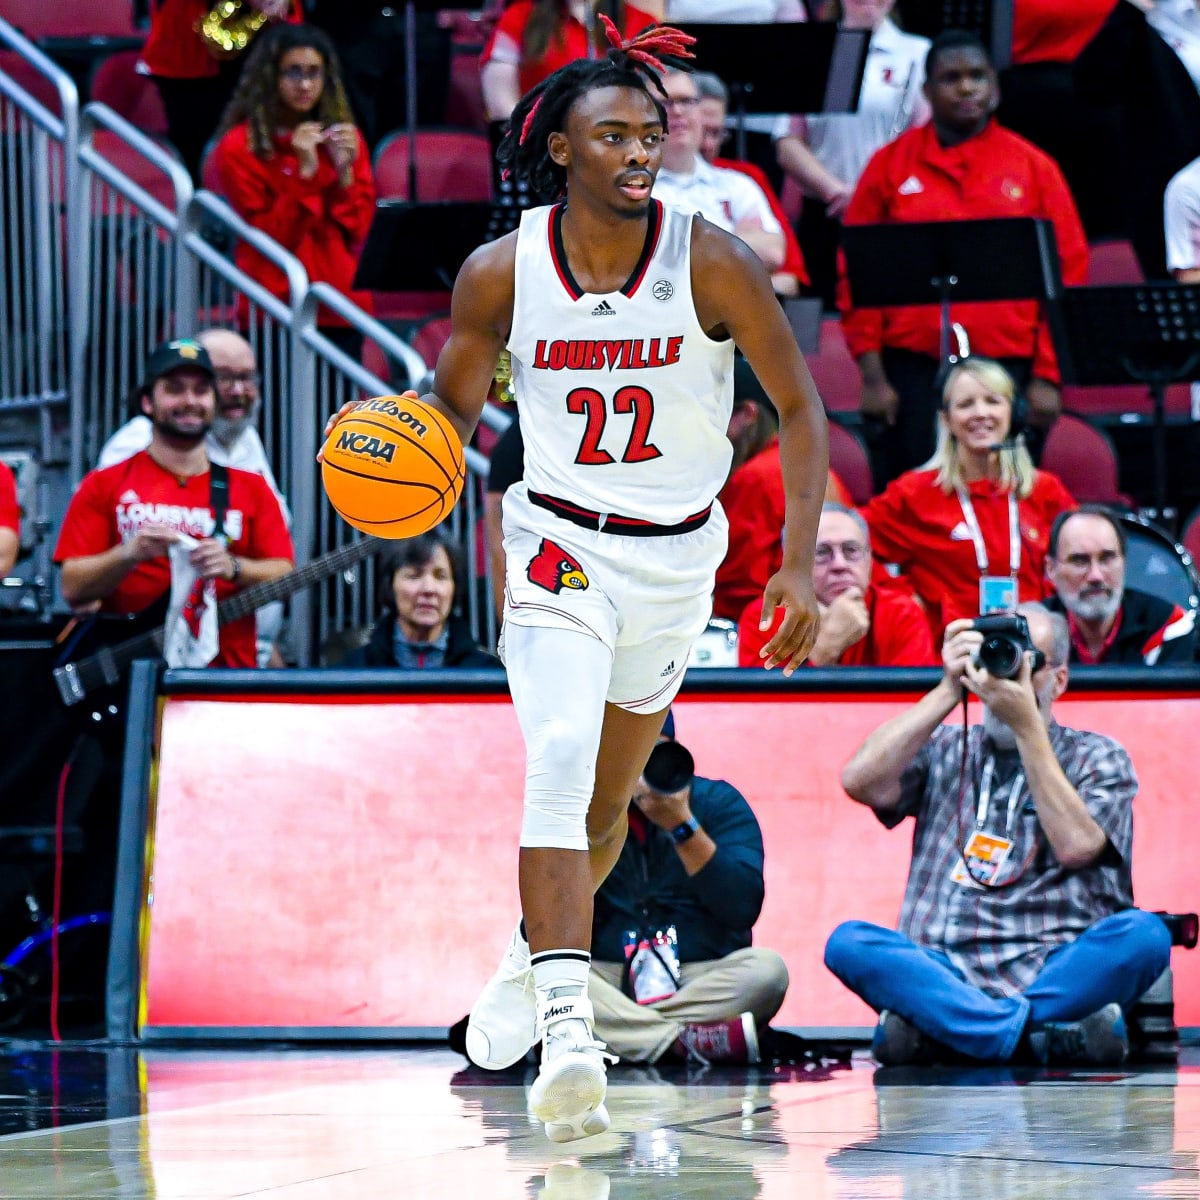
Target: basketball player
[621, 318]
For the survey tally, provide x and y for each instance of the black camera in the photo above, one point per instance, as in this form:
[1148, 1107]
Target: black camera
[1005, 642]
[670, 768]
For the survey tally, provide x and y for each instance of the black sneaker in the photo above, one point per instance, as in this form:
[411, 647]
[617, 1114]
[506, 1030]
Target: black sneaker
[1099, 1040]
[897, 1043]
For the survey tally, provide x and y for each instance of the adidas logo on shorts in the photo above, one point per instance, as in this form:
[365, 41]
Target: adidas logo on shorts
[604, 309]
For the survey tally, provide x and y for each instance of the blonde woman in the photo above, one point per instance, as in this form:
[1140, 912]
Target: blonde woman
[969, 529]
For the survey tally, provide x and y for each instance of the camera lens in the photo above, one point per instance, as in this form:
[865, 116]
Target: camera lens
[1000, 656]
[670, 768]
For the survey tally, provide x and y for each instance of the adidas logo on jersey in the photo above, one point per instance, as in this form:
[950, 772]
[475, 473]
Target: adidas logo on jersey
[669, 669]
[604, 309]
[912, 186]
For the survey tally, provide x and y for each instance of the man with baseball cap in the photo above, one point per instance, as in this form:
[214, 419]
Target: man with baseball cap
[116, 537]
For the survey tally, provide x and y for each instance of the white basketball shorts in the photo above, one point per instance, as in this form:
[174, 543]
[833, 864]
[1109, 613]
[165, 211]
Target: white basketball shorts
[646, 598]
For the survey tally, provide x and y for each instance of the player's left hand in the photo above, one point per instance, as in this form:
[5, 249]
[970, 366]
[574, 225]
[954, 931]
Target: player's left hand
[343, 412]
[795, 637]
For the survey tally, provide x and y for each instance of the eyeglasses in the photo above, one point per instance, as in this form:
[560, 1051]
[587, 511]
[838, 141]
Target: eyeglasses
[682, 101]
[851, 552]
[302, 74]
[231, 379]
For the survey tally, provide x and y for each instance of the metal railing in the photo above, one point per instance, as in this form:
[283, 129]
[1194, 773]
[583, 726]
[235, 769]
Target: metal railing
[106, 250]
[135, 288]
[40, 227]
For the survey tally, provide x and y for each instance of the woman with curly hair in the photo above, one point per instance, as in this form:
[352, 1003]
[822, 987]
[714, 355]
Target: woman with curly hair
[535, 37]
[293, 164]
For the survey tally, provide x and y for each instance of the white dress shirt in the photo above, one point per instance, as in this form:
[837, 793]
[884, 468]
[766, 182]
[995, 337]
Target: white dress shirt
[891, 101]
[724, 197]
[1177, 22]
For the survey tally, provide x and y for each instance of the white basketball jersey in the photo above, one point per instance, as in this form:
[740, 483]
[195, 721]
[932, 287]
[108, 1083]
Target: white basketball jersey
[624, 399]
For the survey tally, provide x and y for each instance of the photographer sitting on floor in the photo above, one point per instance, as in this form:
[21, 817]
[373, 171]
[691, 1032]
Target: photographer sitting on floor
[674, 973]
[1018, 932]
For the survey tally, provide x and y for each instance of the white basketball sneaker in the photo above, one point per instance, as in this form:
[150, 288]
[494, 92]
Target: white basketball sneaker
[502, 1026]
[568, 1094]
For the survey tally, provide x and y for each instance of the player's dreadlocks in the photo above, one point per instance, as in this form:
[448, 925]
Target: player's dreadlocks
[524, 153]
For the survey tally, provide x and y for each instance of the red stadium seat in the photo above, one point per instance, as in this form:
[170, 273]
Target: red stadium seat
[1112, 263]
[134, 165]
[849, 462]
[834, 370]
[1115, 399]
[73, 19]
[1084, 459]
[135, 97]
[464, 104]
[1190, 537]
[452, 164]
[27, 76]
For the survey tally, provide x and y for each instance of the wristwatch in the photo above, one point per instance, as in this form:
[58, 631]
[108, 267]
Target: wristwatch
[237, 568]
[681, 833]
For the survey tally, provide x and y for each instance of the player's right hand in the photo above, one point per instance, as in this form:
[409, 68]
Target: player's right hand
[343, 412]
[959, 646]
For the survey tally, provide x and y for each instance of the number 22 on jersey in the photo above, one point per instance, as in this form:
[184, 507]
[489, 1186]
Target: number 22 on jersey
[589, 403]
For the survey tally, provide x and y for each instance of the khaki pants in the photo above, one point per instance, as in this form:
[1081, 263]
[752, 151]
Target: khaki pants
[751, 980]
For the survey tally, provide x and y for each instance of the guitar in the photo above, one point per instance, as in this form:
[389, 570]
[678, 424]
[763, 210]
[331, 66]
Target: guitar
[76, 680]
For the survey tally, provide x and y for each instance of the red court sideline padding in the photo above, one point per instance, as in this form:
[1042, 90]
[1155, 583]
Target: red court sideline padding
[347, 864]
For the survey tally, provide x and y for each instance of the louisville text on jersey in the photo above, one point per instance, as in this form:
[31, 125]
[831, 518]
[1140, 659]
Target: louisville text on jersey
[600, 354]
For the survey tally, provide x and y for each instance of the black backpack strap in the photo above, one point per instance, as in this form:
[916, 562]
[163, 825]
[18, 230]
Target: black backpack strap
[218, 496]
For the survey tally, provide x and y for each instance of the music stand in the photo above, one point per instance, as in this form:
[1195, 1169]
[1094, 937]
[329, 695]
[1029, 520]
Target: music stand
[421, 247]
[1133, 333]
[990, 20]
[810, 67]
[940, 262]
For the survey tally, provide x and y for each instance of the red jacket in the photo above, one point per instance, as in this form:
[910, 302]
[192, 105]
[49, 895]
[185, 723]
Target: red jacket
[899, 635]
[10, 510]
[995, 174]
[793, 263]
[174, 50]
[915, 525]
[566, 47]
[1054, 31]
[321, 223]
[755, 504]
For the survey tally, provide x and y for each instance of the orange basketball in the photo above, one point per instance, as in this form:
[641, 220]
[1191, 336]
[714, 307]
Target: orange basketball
[394, 467]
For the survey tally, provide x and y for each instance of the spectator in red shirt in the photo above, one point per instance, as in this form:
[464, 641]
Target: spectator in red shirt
[753, 498]
[194, 83]
[978, 510]
[115, 537]
[293, 164]
[10, 520]
[533, 38]
[861, 625]
[961, 166]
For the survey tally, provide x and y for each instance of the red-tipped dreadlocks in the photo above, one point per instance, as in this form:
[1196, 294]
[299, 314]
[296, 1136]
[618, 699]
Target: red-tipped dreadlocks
[637, 63]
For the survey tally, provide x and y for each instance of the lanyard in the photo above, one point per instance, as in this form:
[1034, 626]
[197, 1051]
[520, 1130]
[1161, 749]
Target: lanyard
[1014, 533]
[985, 796]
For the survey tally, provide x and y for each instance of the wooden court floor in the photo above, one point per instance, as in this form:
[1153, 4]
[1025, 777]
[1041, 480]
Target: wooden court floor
[281, 1123]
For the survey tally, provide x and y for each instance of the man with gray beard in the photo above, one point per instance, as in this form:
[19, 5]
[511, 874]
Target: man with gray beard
[1110, 623]
[1018, 937]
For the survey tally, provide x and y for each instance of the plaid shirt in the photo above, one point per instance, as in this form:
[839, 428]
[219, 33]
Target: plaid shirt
[1000, 937]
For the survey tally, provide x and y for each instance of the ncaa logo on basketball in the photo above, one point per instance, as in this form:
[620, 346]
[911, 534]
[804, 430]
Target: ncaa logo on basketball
[365, 444]
[391, 409]
[663, 289]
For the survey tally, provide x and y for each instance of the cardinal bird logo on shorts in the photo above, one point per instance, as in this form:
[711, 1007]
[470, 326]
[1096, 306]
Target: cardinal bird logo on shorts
[554, 569]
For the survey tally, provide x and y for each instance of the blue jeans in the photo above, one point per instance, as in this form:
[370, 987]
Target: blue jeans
[1116, 959]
